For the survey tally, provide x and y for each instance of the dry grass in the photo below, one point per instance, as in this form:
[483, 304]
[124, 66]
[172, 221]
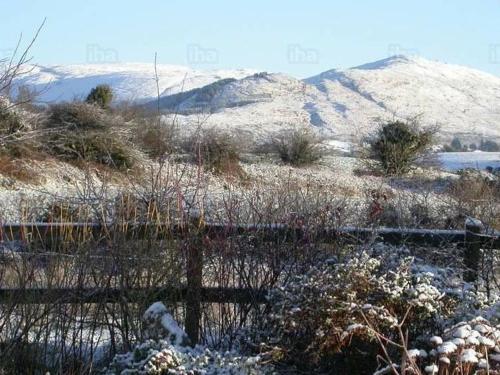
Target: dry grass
[19, 170]
[156, 139]
[476, 196]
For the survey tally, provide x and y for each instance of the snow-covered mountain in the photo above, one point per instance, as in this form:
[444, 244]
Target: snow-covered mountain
[130, 81]
[256, 105]
[348, 103]
[345, 104]
[460, 100]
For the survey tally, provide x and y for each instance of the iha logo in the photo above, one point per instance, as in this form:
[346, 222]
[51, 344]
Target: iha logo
[296, 54]
[197, 54]
[97, 54]
[494, 53]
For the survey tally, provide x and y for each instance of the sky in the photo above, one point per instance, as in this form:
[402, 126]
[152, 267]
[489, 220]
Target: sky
[301, 38]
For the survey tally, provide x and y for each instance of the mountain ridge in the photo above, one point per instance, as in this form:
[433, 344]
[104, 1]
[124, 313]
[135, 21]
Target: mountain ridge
[343, 103]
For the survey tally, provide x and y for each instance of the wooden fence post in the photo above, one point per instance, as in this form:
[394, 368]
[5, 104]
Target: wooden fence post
[472, 251]
[194, 275]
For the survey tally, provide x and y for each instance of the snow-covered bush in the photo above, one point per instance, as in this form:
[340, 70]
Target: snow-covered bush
[469, 347]
[354, 302]
[165, 351]
[11, 122]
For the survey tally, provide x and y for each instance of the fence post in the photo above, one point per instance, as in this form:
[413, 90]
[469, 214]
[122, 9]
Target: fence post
[194, 275]
[472, 251]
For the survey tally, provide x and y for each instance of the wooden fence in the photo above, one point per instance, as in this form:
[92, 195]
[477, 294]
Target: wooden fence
[194, 294]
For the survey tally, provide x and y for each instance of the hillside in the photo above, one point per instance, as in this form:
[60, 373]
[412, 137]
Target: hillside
[130, 81]
[343, 104]
[347, 103]
[460, 100]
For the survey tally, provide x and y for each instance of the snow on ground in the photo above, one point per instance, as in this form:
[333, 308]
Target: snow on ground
[345, 147]
[453, 161]
[334, 177]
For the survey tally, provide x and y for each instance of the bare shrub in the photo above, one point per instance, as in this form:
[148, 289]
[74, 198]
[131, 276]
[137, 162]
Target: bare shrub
[299, 147]
[19, 139]
[10, 122]
[476, 195]
[16, 65]
[79, 131]
[157, 139]
[217, 152]
[77, 116]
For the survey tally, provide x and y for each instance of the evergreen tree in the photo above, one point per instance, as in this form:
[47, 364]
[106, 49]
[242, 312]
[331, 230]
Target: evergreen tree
[102, 95]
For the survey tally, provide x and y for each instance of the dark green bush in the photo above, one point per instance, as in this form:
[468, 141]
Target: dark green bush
[398, 145]
[299, 147]
[456, 146]
[10, 122]
[489, 146]
[102, 95]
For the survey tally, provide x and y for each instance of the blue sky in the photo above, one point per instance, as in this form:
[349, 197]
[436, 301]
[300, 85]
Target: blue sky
[301, 38]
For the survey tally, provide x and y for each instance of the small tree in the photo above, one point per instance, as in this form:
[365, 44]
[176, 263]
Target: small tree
[102, 95]
[456, 144]
[397, 145]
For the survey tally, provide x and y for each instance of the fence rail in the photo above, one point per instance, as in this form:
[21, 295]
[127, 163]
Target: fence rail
[114, 295]
[268, 232]
[472, 239]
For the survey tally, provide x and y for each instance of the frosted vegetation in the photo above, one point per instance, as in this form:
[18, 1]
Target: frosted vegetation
[333, 304]
[405, 315]
[166, 351]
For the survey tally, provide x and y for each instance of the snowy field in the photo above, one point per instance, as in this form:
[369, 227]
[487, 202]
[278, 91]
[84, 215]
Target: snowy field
[453, 161]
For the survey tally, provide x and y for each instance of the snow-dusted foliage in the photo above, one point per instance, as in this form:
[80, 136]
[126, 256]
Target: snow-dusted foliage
[160, 357]
[469, 347]
[369, 295]
[165, 351]
[159, 324]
